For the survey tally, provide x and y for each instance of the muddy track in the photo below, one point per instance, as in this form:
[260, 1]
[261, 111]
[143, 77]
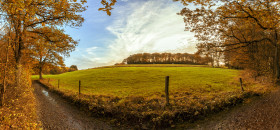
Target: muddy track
[262, 113]
[56, 113]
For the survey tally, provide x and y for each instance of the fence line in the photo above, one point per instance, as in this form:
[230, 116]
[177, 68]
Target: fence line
[167, 90]
[79, 87]
[166, 87]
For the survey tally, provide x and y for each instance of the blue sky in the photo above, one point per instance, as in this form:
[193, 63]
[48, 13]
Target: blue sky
[136, 26]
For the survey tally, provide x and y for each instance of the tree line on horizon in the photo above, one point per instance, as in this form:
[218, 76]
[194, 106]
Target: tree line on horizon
[167, 58]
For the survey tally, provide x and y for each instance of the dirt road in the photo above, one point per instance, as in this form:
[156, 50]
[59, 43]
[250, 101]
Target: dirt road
[56, 113]
[261, 114]
[264, 113]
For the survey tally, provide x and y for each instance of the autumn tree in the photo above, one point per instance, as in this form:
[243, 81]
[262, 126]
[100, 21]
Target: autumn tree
[4, 62]
[211, 52]
[49, 49]
[25, 17]
[108, 6]
[239, 28]
[73, 68]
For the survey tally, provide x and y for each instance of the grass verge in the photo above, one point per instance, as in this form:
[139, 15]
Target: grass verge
[19, 110]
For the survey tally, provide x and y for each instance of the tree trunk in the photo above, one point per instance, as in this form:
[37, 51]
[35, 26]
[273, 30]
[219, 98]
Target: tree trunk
[5, 72]
[40, 71]
[18, 47]
[213, 61]
[2, 94]
[277, 69]
[18, 65]
[17, 74]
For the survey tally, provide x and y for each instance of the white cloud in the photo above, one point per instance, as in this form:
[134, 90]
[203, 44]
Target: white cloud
[142, 26]
[152, 26]
[91, 50]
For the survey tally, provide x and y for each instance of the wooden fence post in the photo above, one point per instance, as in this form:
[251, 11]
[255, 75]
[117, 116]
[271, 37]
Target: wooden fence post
[167, 90]
[58, 83]
[241, 84]
[79, 87]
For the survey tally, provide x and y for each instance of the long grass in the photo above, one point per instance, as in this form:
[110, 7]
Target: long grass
[145, 81]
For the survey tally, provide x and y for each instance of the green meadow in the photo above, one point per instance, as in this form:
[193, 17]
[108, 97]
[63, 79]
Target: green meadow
[145, 81]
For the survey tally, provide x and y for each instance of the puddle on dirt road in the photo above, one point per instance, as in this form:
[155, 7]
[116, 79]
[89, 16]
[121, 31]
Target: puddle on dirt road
[46, 93]
[69, 120]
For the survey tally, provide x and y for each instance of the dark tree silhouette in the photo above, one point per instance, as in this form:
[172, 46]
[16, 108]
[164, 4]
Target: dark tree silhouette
[167, 58]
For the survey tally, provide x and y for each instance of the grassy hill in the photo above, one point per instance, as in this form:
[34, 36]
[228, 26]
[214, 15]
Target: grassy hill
[146, 81]
[135, 93]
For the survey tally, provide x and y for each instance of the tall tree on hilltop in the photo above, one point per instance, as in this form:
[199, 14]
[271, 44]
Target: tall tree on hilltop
[73, 68]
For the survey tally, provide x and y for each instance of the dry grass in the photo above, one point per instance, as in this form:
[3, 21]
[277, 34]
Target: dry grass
[19, 111]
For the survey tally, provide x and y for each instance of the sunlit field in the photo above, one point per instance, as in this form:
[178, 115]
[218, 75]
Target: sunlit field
[137, 94]
[146, 81]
